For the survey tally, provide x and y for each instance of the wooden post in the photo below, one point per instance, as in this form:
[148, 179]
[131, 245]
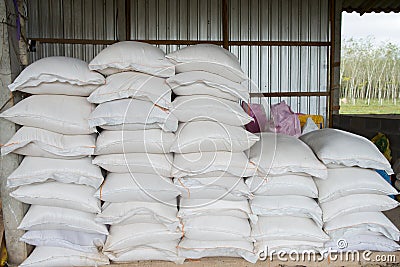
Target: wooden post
[121, 20]
[331, 61]
[13, 210]
[225, 24]
[127, 19]
[336, 59]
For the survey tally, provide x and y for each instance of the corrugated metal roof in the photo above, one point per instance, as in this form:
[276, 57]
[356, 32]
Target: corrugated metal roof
[369, 6]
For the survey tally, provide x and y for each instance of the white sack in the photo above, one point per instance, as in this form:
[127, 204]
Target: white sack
[224, 228]
[206, 107]
[225, 187]
[125, 112]
[37, 142]
[166, 251]
[133, 127]
[309, 126]
[132, 56]
[123, 238]
[38, 170]
[160, 164]
[194, 83]
[358, 222]
[56, 113]
[191, 164]
[71, 196]
[190, 208]
[56, 256]
[54, 218]
[124, 187]
[71, 71]
[133, 85]
[61, 88]
[209, 136]
[289, 205]
[80, 241]
[210, 58]
[139, 212]
[279, 154]
[196, 249]
[364, 242]
[356, 203]
[334, 146]
[288, 228]
[281, 185]
[139, 126]
[347, 181]
[118, 142]
[274, 247]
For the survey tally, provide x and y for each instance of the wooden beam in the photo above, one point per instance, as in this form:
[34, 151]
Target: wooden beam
[108, 42]
[72, 41]
[278, 43]
[289, 94]
[225, 24]
[181, 42]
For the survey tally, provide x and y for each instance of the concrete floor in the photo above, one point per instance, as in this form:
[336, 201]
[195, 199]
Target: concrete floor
[236, 262]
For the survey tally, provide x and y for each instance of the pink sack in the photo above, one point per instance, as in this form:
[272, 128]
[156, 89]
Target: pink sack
[285, 120]
[257, 112]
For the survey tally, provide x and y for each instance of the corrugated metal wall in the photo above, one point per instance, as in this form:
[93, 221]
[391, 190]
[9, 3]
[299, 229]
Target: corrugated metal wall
[287, 69]
[284, 68]
[75, 19]
[176, 20]
[271, 68]
[279, 20]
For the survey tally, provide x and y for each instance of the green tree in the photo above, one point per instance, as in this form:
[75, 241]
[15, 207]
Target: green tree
[369, 71]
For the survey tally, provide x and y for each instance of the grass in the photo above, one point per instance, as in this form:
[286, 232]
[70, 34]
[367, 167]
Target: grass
[361, 107]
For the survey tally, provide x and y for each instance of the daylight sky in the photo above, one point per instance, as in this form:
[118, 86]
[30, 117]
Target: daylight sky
[383, 26]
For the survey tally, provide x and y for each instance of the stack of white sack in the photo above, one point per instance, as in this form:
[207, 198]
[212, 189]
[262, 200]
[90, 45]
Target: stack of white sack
[354, 195]
[209, 160]
[289, 218]
[57, 176]
[134, 147]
